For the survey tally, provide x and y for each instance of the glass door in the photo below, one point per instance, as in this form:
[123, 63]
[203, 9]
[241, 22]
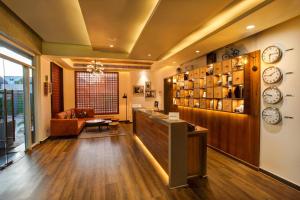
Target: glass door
[12, 111]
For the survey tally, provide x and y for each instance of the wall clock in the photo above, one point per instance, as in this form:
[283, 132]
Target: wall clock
[272, 95]
[272, 75]
[271, 115]
[271, 54]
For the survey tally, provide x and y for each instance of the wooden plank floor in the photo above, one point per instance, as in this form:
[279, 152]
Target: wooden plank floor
[114, 168]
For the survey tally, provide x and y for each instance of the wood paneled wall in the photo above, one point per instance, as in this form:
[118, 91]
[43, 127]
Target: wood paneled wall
[57, 96]
[234, 134]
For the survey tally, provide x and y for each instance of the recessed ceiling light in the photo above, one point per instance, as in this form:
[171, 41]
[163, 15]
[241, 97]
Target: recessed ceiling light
[197, 51]
[111, 46]
[174, 62]
[149, 54]
[249, 27]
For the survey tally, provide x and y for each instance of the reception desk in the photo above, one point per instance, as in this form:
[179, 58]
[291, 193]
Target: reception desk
[179, 152]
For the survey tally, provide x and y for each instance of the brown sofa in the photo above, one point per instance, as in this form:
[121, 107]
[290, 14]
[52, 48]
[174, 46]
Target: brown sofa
[70, 122]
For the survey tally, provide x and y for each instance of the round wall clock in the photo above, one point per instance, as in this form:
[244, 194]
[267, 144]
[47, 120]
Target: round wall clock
[271, 115]
[272, 95]
[272, 75]
[271, 54]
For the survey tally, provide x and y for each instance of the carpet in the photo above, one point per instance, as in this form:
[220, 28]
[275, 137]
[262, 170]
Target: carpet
[93, 132]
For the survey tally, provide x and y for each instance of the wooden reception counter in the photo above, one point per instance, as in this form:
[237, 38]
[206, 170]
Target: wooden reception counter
[179, 152]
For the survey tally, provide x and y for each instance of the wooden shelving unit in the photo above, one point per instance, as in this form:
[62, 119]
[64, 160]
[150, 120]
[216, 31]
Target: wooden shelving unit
[218, 86]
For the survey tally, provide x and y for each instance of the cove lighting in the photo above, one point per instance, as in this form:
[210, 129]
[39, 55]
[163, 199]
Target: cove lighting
[250, 27]
[216, 23]
[144, 19]
[163, 175]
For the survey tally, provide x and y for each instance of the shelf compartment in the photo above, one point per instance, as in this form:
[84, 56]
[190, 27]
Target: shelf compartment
[196, 103]
[209, 92]
[218, 92]
[239, 62]
[227, 105]
[218, 104]
[202, 103]
[238, 106]
[238, 92]
[210, 104]
[196, 93]
[202, 72]
[217, 68]
[210, 81]
[238, 77]
[196, 73]
[226, 66]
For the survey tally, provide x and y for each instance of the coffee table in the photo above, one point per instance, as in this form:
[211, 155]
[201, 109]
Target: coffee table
[97, 122]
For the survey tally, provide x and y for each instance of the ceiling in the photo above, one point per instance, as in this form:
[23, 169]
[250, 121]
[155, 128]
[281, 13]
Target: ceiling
[145, 33]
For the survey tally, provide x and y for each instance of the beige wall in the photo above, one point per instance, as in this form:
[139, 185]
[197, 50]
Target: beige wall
[12, 27]
[139, 78]
[43, 112]
[279, 148]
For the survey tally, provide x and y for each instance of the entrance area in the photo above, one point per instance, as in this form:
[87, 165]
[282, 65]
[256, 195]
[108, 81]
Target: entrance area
[13, 80]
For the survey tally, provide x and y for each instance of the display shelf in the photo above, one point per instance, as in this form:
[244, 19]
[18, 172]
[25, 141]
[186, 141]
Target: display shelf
[218, 86]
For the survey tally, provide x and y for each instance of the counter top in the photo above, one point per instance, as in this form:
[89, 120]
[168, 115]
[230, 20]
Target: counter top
[158, 116]
[163, 118]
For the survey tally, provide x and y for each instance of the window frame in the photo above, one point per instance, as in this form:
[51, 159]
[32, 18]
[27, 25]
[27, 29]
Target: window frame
[118, 95]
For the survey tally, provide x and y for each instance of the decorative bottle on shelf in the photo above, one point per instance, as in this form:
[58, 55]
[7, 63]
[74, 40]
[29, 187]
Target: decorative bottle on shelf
[229, 93]
[229, 80]
[238, 91]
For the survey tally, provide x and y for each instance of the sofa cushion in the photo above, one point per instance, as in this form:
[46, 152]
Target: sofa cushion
[84, 112]
[61, 115]
[80, 113]
[69, 114]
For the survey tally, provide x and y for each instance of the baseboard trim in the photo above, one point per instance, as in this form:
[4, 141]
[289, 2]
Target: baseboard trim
[278, 178]
[234, 158]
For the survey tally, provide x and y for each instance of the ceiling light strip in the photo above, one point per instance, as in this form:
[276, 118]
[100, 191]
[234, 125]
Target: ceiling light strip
[141, 27]
[213, 25]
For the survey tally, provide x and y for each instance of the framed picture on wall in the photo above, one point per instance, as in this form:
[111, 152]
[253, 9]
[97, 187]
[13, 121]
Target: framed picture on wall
[138, 90]
[150, 94]
[147, 85]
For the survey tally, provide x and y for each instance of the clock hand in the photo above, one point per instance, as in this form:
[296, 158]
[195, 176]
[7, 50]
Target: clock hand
[269, 74]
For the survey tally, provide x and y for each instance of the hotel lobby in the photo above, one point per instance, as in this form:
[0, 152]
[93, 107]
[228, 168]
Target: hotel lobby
[149, 99]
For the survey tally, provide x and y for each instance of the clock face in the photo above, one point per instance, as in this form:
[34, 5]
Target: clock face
[271, 54]
[272, 75]
[271, 115]
[272, 95]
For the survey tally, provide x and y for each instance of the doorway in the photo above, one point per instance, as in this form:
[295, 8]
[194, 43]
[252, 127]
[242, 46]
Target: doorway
[12, 128]
[17, 131]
